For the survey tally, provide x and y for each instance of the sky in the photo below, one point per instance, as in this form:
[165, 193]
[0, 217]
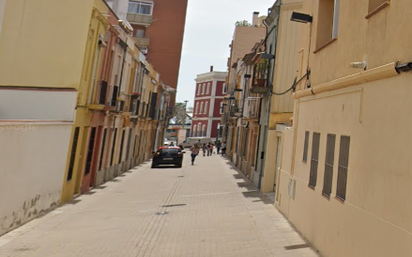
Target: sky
[208, 32]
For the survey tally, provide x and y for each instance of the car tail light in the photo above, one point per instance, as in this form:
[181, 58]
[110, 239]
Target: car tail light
[157, 154]
[179, 154]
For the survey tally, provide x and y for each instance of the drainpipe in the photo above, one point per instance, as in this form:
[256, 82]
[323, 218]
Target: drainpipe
[124, 46]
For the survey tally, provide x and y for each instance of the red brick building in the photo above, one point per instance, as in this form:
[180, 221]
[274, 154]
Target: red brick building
[207, 108]
[158, 28]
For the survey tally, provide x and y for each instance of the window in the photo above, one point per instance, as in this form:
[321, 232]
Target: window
[206, 105]
[305, 147]
[208, 88]
[223, 88]
[90, 151]
[330, 156]
[199, 127]
[113, 146]
[203, 89]
[343, 167]
[221, 108]
[139, 33]
[201, 107]
[328, 24]
[375, 4]
[121, 146]
[203, 131]
[140, 7]
[73, 153]
[194, 130]
[102, 148]
[314, 161]
[197, 108]
[199, 88]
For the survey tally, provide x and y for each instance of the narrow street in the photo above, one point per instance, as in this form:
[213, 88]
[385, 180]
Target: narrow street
[208, 209]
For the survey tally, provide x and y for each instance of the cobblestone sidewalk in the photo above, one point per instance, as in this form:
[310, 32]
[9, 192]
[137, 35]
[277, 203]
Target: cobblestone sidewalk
[204, 210]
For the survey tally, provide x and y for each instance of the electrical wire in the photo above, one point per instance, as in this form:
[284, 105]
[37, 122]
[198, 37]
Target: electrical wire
[293, 87]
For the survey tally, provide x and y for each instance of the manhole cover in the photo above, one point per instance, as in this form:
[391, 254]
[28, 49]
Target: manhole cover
[174, 205]
[162, 213]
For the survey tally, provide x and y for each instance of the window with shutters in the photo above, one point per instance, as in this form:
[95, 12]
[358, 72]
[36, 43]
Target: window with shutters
[330, 156]
[73, 153]
[314, 160]
[343, 167]
[102, 148]
[305, 147]
[90, 151]
[121, 147]
[113, 147]
[328, 22]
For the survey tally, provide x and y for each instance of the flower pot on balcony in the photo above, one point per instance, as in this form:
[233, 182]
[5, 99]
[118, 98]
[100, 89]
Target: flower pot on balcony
[260, 82]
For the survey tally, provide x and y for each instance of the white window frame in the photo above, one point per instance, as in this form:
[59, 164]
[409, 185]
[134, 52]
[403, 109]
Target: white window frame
[206, 106]
[199, 88]
[208, 88]
[203, 88]
[203, 130]
[201, 107]
[224, 89]
[335, 25]
[221, 108]
[137, 6]
[197, 108]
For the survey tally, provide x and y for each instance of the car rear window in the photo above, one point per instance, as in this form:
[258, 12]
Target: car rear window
[169, 151]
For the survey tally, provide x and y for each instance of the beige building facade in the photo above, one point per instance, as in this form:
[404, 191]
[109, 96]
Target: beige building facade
[345, 174]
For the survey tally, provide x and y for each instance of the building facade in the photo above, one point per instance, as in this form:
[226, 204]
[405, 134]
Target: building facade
[40, 85]
[345, 173]
[244, 40]
[155, 22]
[89, 107]
[208, 100]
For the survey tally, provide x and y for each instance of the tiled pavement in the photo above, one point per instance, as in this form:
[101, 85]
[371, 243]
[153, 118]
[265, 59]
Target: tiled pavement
[208, 209]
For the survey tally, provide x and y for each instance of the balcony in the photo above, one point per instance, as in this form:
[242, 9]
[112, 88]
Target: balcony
[252, 107]
[141, 41]
[259, 86]
[139, 19]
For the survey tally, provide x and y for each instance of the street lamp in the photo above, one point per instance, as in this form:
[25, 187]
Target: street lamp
[184, 117]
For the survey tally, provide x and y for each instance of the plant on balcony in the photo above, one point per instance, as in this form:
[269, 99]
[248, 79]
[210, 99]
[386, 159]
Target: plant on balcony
[261, 71]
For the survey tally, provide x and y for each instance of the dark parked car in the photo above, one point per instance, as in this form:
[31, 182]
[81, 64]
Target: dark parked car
[168, 155]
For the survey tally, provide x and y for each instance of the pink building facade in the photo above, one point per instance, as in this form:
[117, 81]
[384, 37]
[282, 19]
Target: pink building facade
[207, 108]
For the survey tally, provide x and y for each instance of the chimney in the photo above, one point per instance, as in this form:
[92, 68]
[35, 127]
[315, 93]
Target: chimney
[255, 19]
[211, 68]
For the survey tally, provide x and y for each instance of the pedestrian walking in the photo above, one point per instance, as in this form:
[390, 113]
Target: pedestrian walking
[204, 149]
[209, 149]
[218, 146]
[195, 151]
[223, 148]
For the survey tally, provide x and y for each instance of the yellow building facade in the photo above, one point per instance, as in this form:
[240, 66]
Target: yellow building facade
[345, 175]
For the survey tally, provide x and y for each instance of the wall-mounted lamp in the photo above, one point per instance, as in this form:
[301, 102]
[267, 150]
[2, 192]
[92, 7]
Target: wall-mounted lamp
[406, 67]
[301, 17]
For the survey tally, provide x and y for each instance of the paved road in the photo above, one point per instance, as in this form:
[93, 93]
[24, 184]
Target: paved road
[204, 210]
